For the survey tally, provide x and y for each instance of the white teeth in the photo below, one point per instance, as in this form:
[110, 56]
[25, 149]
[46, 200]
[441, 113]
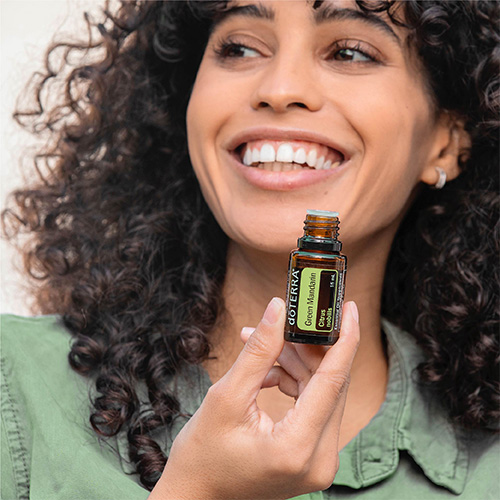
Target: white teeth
[311, 158]
[285, 159]
[247, 159]
[255, 155]
[300, 156]
[285, 153]
[267, 153]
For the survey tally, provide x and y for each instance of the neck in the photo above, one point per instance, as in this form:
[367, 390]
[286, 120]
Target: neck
[253, 278]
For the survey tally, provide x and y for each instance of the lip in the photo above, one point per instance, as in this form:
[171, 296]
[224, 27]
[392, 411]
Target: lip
[282, 181]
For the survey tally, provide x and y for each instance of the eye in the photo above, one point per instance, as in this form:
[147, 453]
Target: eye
[230, 49]
[351, 55]
[350, 52]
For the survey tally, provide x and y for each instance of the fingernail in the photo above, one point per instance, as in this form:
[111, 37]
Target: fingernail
[273, 311]
[247, 330]
[354, 311]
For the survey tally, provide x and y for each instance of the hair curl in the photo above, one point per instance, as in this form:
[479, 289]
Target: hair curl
[123, 244]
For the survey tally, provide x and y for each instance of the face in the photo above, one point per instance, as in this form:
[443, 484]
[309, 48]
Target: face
[295, 108]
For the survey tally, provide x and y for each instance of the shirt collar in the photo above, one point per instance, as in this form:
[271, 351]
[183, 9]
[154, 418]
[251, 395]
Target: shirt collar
[410, 419]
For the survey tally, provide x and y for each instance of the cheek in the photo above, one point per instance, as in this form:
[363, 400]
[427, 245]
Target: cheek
[395, 136]
[198, 117]
[207, 114]
[394, 130]
[214, 99]
[201, 126]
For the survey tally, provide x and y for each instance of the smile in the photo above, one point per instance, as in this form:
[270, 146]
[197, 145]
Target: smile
[285, 156]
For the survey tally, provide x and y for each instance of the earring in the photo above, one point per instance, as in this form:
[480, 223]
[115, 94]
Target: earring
[442, 178]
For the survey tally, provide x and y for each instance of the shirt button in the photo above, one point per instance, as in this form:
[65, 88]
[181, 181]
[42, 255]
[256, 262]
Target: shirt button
[374, 454]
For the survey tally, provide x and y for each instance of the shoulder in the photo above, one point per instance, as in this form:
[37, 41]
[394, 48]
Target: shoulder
[463, 461]
[33, 342]
[48, 449]
[34, 350]
[484, 465]
[35, 380]
[16, 330]
[34, 364]
[22, 335]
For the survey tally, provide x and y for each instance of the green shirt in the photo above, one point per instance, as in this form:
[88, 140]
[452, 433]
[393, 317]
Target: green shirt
[48, 451]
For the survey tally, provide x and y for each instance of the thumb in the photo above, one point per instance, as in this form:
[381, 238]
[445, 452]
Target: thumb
[260, 352]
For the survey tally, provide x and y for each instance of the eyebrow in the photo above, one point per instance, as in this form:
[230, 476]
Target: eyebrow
[331, 13]
[325, 14]
[258, 11]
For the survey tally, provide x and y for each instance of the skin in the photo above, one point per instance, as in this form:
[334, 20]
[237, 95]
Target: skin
[286, 76]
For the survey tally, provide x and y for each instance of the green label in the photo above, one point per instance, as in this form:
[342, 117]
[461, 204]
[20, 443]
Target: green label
[317, 298]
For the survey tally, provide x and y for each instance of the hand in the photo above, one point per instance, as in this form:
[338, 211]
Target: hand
[230, 449]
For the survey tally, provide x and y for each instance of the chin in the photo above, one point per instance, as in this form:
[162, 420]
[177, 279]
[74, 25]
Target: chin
[269, 232]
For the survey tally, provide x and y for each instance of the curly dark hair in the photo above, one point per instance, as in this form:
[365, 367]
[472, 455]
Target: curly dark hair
[123, 245]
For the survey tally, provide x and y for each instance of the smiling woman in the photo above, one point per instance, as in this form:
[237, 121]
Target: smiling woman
[262, 86]
[190, 141]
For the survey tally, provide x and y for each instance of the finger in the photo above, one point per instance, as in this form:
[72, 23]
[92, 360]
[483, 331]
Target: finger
[322, 395]
[288, 359]
[293, 364]
[327, 445]
[279, 377]
[311, 355]
[325, 455]
[245, 377]
[246, 331]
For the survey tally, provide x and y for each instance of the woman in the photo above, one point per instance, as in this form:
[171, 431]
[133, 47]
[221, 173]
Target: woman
[158, 243]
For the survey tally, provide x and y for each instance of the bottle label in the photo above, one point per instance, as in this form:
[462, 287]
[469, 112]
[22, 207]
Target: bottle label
[316, 299]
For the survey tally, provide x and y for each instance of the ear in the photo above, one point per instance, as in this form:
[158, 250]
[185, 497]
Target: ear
[451, 143]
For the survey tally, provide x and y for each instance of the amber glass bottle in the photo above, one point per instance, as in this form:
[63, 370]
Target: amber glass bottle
[316, 282]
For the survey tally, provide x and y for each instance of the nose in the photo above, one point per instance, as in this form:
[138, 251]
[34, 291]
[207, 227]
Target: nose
[287, 82]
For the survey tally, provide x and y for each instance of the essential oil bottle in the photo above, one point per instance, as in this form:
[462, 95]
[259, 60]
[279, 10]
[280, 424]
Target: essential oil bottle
[316, 282]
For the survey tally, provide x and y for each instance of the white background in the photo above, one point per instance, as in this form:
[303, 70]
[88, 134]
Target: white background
[26, 29]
